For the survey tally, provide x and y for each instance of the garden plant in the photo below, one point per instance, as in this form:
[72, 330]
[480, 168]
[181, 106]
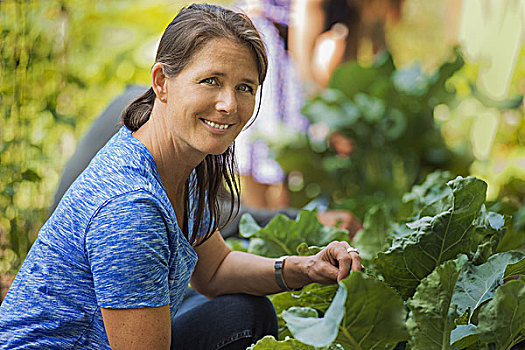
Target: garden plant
[434, 280]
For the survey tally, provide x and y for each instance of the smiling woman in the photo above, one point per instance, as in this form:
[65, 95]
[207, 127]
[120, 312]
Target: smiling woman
[206, 105]
[110, 267]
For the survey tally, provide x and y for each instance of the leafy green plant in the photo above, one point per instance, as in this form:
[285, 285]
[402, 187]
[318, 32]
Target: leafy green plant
[283, 236]
[446, 228]
[437, 280]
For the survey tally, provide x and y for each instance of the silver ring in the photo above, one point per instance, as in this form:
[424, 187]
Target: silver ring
[352, 250]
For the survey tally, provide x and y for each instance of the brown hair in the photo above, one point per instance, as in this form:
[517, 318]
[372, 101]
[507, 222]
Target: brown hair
[193, 27]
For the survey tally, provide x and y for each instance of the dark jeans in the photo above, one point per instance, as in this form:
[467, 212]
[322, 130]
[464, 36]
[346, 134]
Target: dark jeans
[227, 322]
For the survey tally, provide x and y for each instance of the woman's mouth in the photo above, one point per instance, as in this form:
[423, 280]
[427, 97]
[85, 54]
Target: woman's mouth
[216, 125]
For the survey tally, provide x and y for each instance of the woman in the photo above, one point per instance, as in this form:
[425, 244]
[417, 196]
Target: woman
[110, 266]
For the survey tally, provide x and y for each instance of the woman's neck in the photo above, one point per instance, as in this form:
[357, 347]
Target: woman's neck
[174, 161]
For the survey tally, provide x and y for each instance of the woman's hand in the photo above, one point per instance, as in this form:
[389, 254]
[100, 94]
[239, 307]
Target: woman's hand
[334, 263]
[330, 265]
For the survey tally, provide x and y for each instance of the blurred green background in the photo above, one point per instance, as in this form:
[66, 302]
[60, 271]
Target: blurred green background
[64, 61]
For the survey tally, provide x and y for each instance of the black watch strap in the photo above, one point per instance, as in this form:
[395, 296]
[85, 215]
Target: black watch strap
[278, 269]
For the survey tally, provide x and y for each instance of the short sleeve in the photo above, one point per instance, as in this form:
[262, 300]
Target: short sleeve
[128, 250]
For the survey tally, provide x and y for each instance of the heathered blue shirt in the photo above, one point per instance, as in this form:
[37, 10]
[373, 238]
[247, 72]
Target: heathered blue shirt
[112, 242]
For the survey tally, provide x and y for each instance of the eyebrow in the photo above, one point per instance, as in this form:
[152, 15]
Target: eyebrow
[245, 80]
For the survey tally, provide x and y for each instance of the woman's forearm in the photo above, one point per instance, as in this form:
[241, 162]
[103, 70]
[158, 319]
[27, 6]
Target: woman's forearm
[251, 274]
[220, 271]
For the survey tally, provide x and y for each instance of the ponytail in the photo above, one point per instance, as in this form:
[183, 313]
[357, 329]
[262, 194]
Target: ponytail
[137, 112]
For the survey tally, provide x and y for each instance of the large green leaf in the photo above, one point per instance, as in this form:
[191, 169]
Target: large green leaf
[432, 318]
[502, 320]
[376, 229]
[236, 244]
[270, 343]
[476, 284]
[283, 235]
[433, 240]
[514, 237]
[374, 315]
[313, 330]
[304, 250]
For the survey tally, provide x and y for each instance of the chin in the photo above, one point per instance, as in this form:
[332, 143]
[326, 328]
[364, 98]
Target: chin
[218, 150]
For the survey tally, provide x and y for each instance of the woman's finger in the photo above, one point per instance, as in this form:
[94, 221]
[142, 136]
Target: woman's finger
[355, 258]
[356, 262]
[345, 264]
[349, 260]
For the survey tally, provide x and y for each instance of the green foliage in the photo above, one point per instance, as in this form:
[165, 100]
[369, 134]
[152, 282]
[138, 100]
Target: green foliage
[376, 230]
[270, 343]
[477, 284]
[316, 296]
[443, 262]
[434, 239]
[387, 113]
[61, 62]
[282, 236]
[515, 269]
[515, 236]
[432, 317]
[430, 191]
[236, 244]
[502, 320]
[374, 315]
[369, 314]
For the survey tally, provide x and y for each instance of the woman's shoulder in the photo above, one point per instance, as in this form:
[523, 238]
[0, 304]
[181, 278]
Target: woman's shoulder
[123, 164]
[123, 168]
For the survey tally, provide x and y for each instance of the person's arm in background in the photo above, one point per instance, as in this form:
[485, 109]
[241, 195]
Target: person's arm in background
[315, 50]
[307, 21]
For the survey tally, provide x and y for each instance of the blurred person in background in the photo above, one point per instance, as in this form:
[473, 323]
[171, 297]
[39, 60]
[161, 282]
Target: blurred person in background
[306, 40]
[325, 33]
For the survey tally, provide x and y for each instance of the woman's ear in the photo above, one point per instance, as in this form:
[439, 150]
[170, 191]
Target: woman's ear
[159, 82]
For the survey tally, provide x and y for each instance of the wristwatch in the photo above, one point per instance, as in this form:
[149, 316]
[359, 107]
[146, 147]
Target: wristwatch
[278, 269]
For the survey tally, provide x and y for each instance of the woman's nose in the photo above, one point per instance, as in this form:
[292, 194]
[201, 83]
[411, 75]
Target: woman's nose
[227, 102]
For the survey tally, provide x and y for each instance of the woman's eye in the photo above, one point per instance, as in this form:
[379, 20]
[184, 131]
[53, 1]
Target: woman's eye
[245, 88]
[210, 81]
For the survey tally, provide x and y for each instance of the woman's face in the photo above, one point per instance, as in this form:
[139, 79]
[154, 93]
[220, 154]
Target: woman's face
[213, 97]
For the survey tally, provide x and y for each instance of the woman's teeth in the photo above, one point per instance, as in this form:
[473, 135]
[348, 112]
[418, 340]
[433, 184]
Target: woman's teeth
[215, 125]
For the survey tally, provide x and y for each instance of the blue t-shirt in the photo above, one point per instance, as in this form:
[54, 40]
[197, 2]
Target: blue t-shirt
[112, 242]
